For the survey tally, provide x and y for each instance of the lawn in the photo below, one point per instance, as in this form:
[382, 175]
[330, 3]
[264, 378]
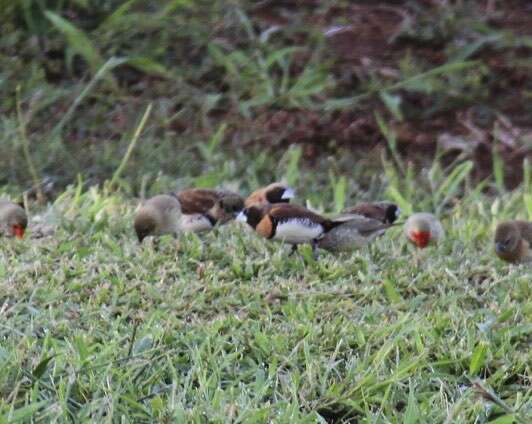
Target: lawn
[227, 328]
[106, 102]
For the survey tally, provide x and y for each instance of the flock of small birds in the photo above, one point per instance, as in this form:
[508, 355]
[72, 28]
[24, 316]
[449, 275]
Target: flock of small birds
[270, 214]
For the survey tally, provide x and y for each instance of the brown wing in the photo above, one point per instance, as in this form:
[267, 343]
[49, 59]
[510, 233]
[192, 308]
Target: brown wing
[526, 230]
[369, 210]
[196, 200]
[225, 193]
[365, 226]
[285, 211]
[258, 197]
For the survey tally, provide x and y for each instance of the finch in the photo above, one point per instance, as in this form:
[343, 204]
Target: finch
[513, 241]
[423, 229]
[13, 219]
[385, 212]
[293, 224]
[202, 209]
[157, 216]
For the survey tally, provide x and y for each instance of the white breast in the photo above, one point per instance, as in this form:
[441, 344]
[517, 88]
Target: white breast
[296, 231]
[195, 223]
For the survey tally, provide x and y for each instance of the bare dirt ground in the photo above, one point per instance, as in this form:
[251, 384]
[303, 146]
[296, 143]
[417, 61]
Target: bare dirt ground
[369, 38]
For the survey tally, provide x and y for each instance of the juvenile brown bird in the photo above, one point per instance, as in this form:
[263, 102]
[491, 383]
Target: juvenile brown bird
[290, 223]
[157, 216]
[513, 241]
[356, 232]
[202, 209]
[423, 229]
[271, 194]
[13, 219]
[385, 212]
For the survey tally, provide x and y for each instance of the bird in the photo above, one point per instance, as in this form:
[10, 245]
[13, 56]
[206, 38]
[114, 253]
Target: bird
[157, 216]
[355, 232]
[13, 219]
[513, 241]
[423, 229]
[271, 194]
[290, 223]
[202, 209]
[385, 212]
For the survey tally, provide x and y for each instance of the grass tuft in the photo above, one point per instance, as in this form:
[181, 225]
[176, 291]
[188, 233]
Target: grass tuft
[226, 325]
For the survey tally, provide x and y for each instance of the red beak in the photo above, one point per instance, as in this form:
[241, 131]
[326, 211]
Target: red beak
[18, 230]
[420, 238]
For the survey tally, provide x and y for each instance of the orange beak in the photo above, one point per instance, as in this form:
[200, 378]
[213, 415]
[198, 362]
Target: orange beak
[420, 238]
[18, 230]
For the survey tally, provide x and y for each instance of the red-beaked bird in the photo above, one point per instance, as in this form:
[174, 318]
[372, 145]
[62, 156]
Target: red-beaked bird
[157, 216]
[13, 219]
[385, 212]
[423, 229]
[271, 194]
[513, 241]
[292, 224]
[356, 232]
[202, 209]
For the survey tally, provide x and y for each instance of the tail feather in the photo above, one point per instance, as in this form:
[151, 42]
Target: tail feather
[365, 226]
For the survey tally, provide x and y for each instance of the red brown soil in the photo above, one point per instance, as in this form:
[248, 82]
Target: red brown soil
[366, 38]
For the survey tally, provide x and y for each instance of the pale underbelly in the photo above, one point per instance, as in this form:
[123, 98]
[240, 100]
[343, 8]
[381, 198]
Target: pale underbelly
[297, 232]
[195, 223]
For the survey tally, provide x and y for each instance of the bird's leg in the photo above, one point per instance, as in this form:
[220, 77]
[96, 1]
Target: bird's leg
[177, 240]
[417, 257]
[315, 254]
[293, 250]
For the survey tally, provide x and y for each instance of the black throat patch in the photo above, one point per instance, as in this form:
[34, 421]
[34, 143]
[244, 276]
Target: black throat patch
[275, 195]
[253, 215]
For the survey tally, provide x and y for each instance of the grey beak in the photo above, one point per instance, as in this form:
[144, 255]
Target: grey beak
[288, 194]
[499, 247]
[241, 217]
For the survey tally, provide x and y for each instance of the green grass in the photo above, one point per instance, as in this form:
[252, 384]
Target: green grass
[226, 328]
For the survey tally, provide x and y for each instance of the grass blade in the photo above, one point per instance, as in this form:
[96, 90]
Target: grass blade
[478, 358]
[391, 293]
[134, 140]
[41, 367]
[102, 72]
[449, 186]
[77, 40]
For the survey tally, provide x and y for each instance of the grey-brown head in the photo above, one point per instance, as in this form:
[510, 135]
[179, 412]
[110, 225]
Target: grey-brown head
[226, 208]
[146, 223]
[507, 238]
[13, 219]
[157, 216]
[232, 205]
[423, 228]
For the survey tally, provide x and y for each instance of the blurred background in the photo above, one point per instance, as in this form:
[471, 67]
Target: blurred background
[208, 91]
